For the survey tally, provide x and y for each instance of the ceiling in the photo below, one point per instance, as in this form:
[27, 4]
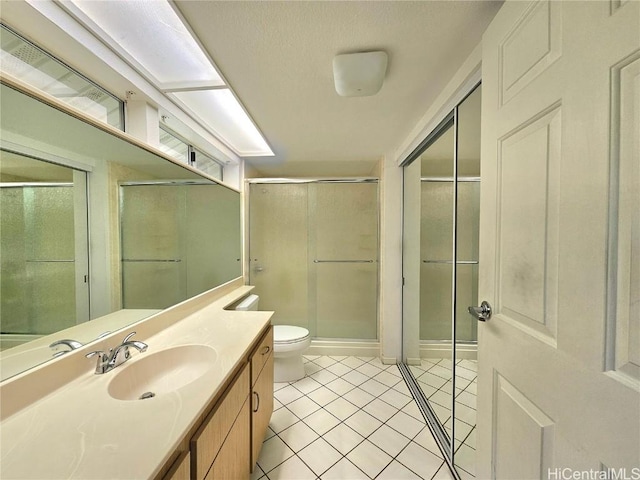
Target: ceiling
[277, 56]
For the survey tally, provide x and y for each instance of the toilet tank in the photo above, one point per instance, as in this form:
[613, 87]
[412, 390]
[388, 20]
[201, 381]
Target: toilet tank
[249, 303]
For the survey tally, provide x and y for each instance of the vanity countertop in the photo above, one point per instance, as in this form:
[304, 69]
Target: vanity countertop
[80, 431]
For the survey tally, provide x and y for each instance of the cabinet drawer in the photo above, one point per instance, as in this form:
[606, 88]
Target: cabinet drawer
[261, 354]
[208, 439]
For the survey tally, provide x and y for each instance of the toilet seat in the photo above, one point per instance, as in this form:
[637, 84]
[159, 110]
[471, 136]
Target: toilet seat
[290, 341]
[288, 334]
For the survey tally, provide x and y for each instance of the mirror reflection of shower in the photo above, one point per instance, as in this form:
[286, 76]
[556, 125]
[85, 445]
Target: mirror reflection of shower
[183, 234]
[441, 226]
[43, 249]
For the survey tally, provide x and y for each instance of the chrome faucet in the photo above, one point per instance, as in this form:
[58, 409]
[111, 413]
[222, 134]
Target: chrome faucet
[72, 344]
[116, 356]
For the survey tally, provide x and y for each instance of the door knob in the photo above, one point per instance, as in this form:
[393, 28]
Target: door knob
[482, 313]
[258, 269]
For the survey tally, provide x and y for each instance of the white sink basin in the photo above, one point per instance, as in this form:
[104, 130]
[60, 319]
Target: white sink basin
[161, 372]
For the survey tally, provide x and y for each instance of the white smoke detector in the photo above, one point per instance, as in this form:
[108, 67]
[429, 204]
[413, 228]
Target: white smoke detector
[359, 74]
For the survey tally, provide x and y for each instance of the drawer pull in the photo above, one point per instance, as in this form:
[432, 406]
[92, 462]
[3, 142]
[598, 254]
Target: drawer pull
[266, 349]
[257, 401]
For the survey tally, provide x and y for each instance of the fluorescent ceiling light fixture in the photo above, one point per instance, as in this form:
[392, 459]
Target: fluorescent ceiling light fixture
[153, 37]
[220, 110]
[359, 74]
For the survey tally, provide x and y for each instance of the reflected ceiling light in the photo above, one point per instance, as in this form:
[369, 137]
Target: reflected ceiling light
[359, 74]
[152, 37]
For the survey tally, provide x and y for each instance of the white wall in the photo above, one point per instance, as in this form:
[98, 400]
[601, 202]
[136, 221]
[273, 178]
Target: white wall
[467, 76]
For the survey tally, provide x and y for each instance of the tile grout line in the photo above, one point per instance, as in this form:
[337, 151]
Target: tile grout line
[340, 421]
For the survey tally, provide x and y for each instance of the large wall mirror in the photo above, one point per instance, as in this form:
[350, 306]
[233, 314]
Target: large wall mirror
[440, 263]
[97, 232]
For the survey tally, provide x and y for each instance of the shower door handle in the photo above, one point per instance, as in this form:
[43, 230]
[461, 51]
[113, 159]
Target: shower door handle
[482, 313]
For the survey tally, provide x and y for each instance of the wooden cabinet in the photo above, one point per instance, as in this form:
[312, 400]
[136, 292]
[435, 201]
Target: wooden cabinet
[261, 394]
[181, 468]
[232, 461]
[225, 442]
[206, 444]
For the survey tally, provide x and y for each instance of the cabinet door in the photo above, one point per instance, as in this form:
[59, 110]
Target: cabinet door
[180, 470]
[232, 461]
[210, 438]
[262, 408]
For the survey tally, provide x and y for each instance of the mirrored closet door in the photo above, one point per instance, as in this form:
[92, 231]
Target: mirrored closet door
[440, 265]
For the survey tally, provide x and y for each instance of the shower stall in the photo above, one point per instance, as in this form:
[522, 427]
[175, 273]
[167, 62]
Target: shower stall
[313, 257]
[43, 255]
[440, 265]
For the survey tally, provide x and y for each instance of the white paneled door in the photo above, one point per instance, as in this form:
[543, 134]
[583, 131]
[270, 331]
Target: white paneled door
[559, 360]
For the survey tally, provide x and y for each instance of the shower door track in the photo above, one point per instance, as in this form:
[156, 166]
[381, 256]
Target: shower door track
[343, 261]
[430, 418]
[170, 183]
[313, 180]
[450, 179]
[35, 184]
[160, 260]
[451, 262]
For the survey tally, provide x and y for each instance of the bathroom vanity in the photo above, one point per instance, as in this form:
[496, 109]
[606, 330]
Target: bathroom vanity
[217, 445]
[210, 370]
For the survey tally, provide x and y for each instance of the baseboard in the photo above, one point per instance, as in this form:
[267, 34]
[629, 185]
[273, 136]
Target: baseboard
[443, 350]
[348, 348]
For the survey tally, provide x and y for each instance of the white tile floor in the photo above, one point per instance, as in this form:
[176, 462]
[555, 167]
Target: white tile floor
[349, 418]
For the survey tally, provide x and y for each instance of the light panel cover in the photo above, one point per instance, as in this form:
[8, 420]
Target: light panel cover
[221, 111]
[154, 37]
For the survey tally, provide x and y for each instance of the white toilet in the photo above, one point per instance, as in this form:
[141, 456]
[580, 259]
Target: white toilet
[289, 343]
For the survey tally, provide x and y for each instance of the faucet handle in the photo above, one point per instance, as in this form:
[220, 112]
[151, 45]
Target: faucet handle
[102, 360]
[126, 339]
[72, 344]
[96, 352]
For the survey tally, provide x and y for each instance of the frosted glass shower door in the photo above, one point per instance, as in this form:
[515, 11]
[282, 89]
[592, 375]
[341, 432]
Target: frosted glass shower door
[151, 246]
[344, 244]
[278, 236]
[314, 255]
[43, 249]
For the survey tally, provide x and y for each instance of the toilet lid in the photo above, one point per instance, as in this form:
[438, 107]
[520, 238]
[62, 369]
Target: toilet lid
[289, 334]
